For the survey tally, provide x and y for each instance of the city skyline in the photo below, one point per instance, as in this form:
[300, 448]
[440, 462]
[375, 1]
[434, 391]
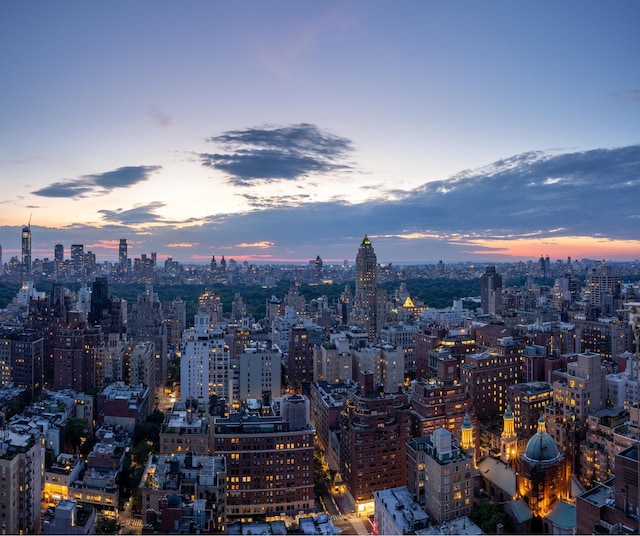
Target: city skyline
[282, 131]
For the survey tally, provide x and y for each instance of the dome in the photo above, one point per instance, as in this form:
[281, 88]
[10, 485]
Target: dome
[541, 447]
[174, 501]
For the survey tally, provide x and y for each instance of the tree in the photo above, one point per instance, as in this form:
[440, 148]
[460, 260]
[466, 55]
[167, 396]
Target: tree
[487, 515]
[75, 433]
[107, 525]
[156, 417]
[146, 431]
[140, 454]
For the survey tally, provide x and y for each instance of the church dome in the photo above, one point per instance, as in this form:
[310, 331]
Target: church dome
[541, 447]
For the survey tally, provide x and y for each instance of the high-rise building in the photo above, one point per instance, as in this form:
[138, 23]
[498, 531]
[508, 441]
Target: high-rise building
[142, 366]
[527, 400]
[488, 374]
[100, 302]
[209, 304]
[269, 453]
[77, 259]
[603, 292]
[76, 350]
[300, 361]
[21, 469]
[440, 475]
[122, 252]
[58, 256]
[174, 314]
[364, 311]
[204, 363]
[376, 428]
[146, 323]
[439, 402]
[26, 251]
[22, 359]
[260, 370]
[491, 290]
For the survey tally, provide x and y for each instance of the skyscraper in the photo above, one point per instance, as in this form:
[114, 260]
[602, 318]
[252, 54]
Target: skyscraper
[58, 255]
[26, 250]
[364, 308]
[491, 290]
[204, 363]
[77, 259]
[122, 253]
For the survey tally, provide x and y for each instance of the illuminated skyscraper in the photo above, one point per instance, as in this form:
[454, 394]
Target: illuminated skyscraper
[122, 253]
[26, 250]
[77, 259]
[365, 302]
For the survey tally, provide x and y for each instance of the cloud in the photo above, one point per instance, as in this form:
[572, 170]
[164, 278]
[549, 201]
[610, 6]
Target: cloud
[625, 98]
[277, 153]
[535, 200]
[534, 194]
[273, 201]
[98, 184]
[161, 119]
[261, 245]
[140, 214]
[182, 245]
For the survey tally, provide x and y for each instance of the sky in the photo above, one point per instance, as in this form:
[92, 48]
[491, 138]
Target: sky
[279, 131]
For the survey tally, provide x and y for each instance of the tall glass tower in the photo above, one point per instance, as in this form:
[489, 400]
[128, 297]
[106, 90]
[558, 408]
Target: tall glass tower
[26, 250]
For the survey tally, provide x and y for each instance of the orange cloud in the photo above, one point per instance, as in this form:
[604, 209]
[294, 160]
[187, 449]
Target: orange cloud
[263, 245]
[182, 245]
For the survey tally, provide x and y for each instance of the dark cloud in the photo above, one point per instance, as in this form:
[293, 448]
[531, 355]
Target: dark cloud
[134, 216]
[583, 193]
[275, 201]
[280, 153]
[98, 183]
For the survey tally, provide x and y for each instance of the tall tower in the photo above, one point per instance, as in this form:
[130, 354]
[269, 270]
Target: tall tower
[490, 290]
[58, 254]
[509, 438]
[364, 309]
[26, 250]
[122, 253]
[77, 259]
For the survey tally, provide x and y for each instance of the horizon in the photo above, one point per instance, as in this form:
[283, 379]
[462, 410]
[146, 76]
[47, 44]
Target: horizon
[334, 262]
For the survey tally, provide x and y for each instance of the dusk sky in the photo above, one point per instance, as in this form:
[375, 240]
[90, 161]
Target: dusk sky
[277, 131]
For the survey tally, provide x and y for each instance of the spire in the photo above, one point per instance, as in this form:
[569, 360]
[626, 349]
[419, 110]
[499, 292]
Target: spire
[509, 429]
[542, 425]
[467, 433]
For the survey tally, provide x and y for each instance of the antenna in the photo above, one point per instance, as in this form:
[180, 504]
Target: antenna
[29, 224]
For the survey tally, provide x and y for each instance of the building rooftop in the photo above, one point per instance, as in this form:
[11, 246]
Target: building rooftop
[498, 473]
[407, 513]
[320, 524]
[460, 525]
[563, 515]
[520, 510]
